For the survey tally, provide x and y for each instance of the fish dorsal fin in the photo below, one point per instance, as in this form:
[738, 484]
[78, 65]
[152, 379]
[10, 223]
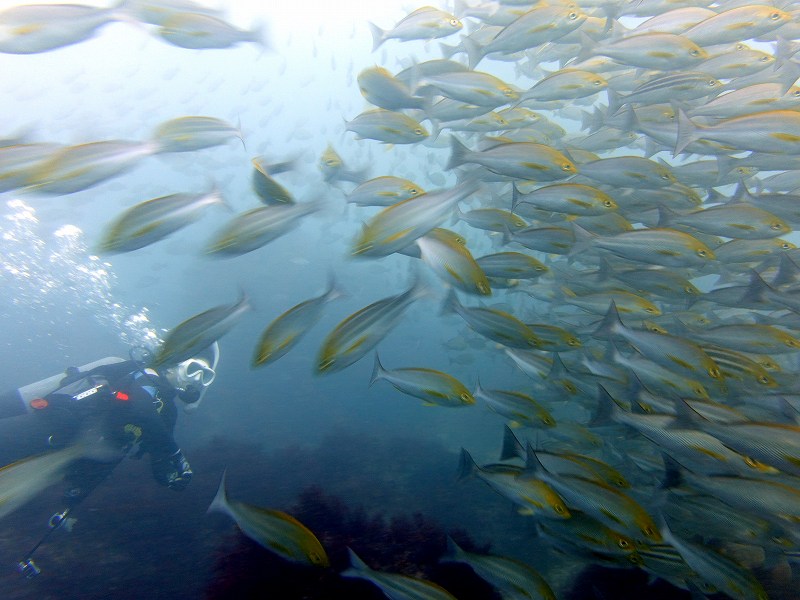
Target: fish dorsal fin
[512, 447]
[532, 463]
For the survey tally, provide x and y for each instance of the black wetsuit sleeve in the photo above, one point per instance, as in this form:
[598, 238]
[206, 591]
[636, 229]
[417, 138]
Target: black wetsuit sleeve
[148, 415]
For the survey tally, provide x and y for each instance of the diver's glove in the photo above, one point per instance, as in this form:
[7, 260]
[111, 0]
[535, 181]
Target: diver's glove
[173, 471]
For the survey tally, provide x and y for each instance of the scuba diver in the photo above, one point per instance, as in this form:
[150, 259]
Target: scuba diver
[130, 406]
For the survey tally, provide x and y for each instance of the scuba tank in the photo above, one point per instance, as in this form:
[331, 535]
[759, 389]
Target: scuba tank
[28, 398]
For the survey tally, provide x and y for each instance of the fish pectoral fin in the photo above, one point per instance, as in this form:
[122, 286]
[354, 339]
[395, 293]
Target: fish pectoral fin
[357, 343]
[612, 516]
[680, 362]
[708, 452]
[398, 235]
[452, 272]
[533, 502]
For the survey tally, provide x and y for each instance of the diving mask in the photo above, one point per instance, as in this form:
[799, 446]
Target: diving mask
[193, 372]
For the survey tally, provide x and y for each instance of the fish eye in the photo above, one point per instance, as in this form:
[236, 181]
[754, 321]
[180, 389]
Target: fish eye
[548, 421]
[413, 191]
[776, 226]
[418, 131]
[648, 531]
[508, 92]
[330, 162]
[764, 58]
[622, 543]
[775, 16]
[785, 246]
[566, 167]
[607, 203]
[701, 252]
[796, 94]
[621, 483]
[712, 82]
[559, 509]
[714, 372]
[699, 392]
[689, 290]
[466, 398]
[484, 289]
[694, 52]
[649, 310]
[455, 23]
[597, 82]
[763, 380]
[750, 462]
[572, 16]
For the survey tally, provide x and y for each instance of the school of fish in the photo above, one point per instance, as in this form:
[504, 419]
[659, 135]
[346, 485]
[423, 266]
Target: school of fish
[627, 183]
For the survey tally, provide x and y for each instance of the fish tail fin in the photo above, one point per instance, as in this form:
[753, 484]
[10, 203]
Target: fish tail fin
[512, 447]
[459, 154]
[357, 566]
[673, 472]
[615, 102]
[419, 288]
[587, 48]
[685, 416]
[378, 35]
[220, 501]
[628, 119]
[475, 51]
[594, 121]
[583, 241]
[239, 131]
[436, 126]
[244, 300]
[757, 290]
[334, 290]
[467, 466]
[450, 304]
[458, 215]
[454, 553]
[687, 132]
[666, 216]
[478, 388]
[377, 370]
[217, 197]
[94, 448]
[260, 35]
[610, 325]
[448, 51]
[516, 197]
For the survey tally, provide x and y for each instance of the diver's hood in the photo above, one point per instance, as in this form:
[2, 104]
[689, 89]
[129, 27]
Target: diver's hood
[198, 372]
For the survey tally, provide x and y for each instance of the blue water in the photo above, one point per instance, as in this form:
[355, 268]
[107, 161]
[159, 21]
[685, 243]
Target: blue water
[361, 465]
[61, 306]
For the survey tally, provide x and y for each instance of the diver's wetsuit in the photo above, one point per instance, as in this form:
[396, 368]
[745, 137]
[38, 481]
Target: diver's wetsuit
[129, 406]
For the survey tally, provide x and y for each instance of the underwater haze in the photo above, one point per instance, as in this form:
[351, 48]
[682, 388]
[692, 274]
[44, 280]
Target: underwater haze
[627, 386]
